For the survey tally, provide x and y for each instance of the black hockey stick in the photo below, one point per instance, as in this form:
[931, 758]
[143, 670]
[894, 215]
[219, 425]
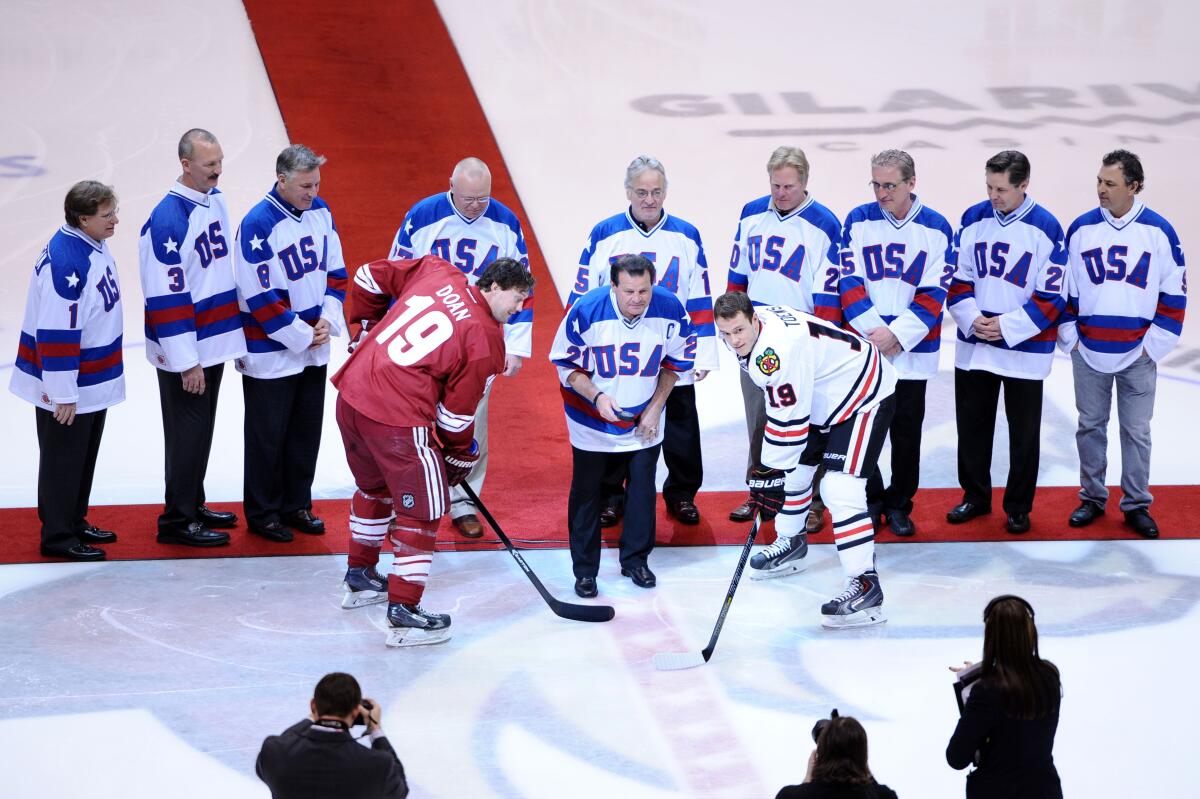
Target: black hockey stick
[566, 610]
[671, 661]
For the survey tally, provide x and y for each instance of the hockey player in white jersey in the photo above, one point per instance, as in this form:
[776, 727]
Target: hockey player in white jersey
[193, 327]
[469, 228]
[785, 252]
[829, 402]
[896, 265]
[675, 249]
[1127, 287]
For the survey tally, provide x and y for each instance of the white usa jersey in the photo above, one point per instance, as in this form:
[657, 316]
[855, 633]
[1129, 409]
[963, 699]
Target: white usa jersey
[895, 273]
[290, 274]
[186, 262]
[674, 247]
[1128, 287]
[623, 358]
[1011, 266]
[815, 374]
[788, 259]
[70, 345]
[435, 227]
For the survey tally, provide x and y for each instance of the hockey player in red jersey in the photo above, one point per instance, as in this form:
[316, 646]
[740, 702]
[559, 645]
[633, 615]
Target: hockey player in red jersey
[431, 344]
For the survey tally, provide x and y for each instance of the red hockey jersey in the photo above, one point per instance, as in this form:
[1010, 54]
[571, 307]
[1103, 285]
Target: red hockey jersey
[432, 350]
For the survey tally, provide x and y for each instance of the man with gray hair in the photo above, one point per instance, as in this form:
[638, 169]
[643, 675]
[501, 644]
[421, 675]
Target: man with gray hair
[469, 228]
[674, 247]
[897, 262]
[291, 283]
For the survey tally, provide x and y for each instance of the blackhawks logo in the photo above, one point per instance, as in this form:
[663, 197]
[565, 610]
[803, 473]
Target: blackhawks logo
[768, 362]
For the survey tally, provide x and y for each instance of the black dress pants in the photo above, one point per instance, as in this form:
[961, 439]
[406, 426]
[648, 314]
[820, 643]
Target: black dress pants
[66, 466]
[680, 451]
[976, 395]
[905, 434]
[584, 503]
[283, 436]
[188, 421]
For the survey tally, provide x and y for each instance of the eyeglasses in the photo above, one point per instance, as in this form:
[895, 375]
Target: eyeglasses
[474, 200]
[876, 185]
[111, 215]
[642, 194]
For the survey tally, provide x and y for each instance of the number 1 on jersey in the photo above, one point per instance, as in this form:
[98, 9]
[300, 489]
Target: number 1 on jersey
[425, 333]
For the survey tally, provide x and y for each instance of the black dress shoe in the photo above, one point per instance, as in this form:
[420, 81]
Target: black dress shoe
[900, 523]
[304, 521]
[1141, 522]
[1086, 513]
[742, 513]
[273, 531]
[966, 512]
[610, 515]
[94, 535]
[684, 510]
[216, 519]
[586, 587]
[77, 552]
[194, 535]
[641, 575]
[1017, 523]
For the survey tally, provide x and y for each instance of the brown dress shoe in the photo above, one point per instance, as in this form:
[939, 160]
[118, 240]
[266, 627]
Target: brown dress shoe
[742, 513]
[469, 526]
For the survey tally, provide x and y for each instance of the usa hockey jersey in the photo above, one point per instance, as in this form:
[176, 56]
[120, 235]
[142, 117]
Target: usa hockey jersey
[430, 357]
[290, 274]
[70, 345]
[814, 374]
[1012, 266]
[895, 273]
[622, 358]
[788, 259]
[674, 247]
[435, 227]
[186, 262]
[1128, 287]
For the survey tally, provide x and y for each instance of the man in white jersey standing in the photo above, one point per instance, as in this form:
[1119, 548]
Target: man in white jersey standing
[785, 252]
[896, 265]
[469, 228]
[618, 351]
[1006, 297]
[193, 327]
[829, 402]
[1127, 288]
[674, 247]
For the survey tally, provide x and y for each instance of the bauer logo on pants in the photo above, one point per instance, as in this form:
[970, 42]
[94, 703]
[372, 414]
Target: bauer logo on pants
[408, 500]
[768, 362]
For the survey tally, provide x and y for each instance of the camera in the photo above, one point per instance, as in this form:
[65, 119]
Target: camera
[361, 719]
[820, 725]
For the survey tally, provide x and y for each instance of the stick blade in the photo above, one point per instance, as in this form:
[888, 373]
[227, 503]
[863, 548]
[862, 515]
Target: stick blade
[676, 661]
[596, 613]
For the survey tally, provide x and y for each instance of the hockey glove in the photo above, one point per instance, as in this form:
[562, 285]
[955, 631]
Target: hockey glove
[362, 335]
[766, 491]
[459, 463]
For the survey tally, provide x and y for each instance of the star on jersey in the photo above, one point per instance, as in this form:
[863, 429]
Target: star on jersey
[73, 280]
[408, 226]
[170, 246]
[256, 243]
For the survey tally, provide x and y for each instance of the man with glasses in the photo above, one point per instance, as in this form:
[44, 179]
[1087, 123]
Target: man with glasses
[674, 247]
[897, 262]
[469, 228]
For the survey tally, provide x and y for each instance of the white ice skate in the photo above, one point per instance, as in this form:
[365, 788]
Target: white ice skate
[364, 586]
[784, 557]
[411, 625]
[860, 605]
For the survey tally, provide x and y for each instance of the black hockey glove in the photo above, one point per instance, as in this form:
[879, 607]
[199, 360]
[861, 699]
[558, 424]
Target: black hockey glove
[766, 492]
[459, 463]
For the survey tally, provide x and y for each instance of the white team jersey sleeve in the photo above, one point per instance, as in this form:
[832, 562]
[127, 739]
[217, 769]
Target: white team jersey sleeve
[165, 249]
[1045, 305]
[335, 288]
[960, 300]
[1167, 325]
[784, 370]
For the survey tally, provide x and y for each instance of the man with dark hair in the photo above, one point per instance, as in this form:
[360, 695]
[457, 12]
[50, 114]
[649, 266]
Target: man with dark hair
[319, 757]
[618, 352]
[406, 408]
[1127, 295]
[1006, 297]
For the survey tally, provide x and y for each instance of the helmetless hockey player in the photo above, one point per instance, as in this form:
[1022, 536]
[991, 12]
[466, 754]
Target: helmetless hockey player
[829, 396]
[406, 406]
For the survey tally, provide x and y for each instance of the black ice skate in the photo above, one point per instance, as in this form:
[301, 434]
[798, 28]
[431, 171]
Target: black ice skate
[784, 557]
[364, 586]
[410, 625]
[860, 605]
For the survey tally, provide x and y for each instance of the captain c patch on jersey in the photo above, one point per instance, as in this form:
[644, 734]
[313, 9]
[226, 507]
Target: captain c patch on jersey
[768, 362]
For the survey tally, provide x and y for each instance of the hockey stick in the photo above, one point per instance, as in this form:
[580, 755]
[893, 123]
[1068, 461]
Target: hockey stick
[566, 610]
[672, 661]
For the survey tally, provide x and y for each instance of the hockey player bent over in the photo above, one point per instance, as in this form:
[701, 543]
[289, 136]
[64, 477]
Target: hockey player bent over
[431, 345]
[829, 401]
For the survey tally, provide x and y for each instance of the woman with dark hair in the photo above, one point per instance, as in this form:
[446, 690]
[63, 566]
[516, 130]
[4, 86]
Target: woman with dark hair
[69, 366]
[1011, 714]
[837, 768]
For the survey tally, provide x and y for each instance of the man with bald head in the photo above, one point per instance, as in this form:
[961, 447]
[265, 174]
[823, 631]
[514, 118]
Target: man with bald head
[470, 229]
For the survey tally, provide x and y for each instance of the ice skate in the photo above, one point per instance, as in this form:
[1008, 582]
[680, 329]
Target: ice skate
[784, 557]
[364, 586]
[860, 605]
[411, 625]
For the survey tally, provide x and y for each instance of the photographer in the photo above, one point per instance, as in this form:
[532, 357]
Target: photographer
[320, 758]
[837, 768]
[1011, 714]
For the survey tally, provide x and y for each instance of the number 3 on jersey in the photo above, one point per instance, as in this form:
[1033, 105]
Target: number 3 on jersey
[412, 335]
